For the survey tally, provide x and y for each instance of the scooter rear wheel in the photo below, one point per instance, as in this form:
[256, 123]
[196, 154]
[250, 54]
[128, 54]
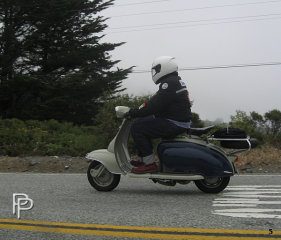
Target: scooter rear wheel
[100, 178]
[212, 185]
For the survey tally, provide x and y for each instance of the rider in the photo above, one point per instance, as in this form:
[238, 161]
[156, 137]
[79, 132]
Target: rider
[166, 114]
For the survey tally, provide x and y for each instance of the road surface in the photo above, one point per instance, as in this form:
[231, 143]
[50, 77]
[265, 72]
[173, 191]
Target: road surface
[65, 206]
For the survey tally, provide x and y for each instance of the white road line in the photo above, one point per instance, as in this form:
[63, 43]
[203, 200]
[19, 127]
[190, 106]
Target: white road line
[237, 199]
[251, 196]
[249, 210]
[250, 192]
[254, 189]
[250, 215]
[250, 202]
[257, 175]
[245, 201]
[233, 205]
[254, 186]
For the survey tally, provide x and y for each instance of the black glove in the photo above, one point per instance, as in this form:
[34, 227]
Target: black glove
[131, 114]
[127, 115]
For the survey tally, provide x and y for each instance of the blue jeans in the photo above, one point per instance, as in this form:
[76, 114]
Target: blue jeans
[145, 129]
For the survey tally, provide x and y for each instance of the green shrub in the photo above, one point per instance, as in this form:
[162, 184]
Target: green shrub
[46, 138]
[52, 137]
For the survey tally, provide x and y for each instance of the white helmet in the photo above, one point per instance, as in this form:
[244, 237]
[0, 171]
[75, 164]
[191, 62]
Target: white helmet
[162, 66]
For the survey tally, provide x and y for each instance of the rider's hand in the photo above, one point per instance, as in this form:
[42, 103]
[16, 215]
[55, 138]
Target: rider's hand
[128, 115]
[131, 114]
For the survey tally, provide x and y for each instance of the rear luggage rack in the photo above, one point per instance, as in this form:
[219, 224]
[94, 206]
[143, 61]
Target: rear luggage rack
[240, 144]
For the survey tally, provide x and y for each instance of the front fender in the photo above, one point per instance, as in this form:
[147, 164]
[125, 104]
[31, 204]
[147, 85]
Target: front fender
[106, 158]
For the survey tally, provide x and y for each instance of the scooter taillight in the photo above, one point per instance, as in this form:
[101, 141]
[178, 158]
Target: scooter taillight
[236, 159]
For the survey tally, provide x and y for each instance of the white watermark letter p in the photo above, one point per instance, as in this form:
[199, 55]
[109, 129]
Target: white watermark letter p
[21, 202]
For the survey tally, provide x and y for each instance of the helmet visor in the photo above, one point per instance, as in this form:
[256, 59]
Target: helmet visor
[156, 69]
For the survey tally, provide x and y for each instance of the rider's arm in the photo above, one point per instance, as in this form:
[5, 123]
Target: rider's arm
[157, 103]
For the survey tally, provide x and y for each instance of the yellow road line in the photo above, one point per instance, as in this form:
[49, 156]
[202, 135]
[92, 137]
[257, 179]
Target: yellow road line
[137, 232]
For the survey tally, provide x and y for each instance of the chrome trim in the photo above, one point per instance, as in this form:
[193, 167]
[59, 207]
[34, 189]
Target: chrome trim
[164, 176]
[233, 139]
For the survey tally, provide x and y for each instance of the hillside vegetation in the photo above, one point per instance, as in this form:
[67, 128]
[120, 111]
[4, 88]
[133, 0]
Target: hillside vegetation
[51, 137]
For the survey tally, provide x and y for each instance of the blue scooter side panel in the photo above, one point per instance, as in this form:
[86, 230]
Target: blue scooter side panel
[191, 158]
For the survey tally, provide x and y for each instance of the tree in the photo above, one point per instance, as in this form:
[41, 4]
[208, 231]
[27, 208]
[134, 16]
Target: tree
[13, 29]
[243, 121]
[257, 120]
[265, 127]
[196, 121]
[59, 48]
[273, 119]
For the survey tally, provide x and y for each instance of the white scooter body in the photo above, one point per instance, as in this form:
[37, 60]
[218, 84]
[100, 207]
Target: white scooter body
[109, 164]
[116, 157]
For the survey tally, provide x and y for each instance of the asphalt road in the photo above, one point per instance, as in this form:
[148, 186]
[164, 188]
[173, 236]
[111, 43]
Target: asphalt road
[251, 202]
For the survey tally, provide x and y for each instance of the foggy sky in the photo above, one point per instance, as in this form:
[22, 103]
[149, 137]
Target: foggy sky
[200, 41]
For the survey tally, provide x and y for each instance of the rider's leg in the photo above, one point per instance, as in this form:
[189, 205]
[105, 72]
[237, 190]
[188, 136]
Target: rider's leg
[148, 128]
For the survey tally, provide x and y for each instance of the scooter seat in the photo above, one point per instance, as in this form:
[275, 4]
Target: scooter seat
[193, 131]
[200, 131]
[169, 137]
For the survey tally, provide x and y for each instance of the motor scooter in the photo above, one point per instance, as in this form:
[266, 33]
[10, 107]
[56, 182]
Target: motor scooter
[181, 159]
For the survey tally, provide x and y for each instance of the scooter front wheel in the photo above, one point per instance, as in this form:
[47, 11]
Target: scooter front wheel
[212, 185]
[100, 178]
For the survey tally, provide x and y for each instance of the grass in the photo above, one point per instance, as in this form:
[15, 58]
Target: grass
[263, 156]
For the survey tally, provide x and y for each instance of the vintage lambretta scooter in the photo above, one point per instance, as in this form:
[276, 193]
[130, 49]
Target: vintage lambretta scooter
[181, 159]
